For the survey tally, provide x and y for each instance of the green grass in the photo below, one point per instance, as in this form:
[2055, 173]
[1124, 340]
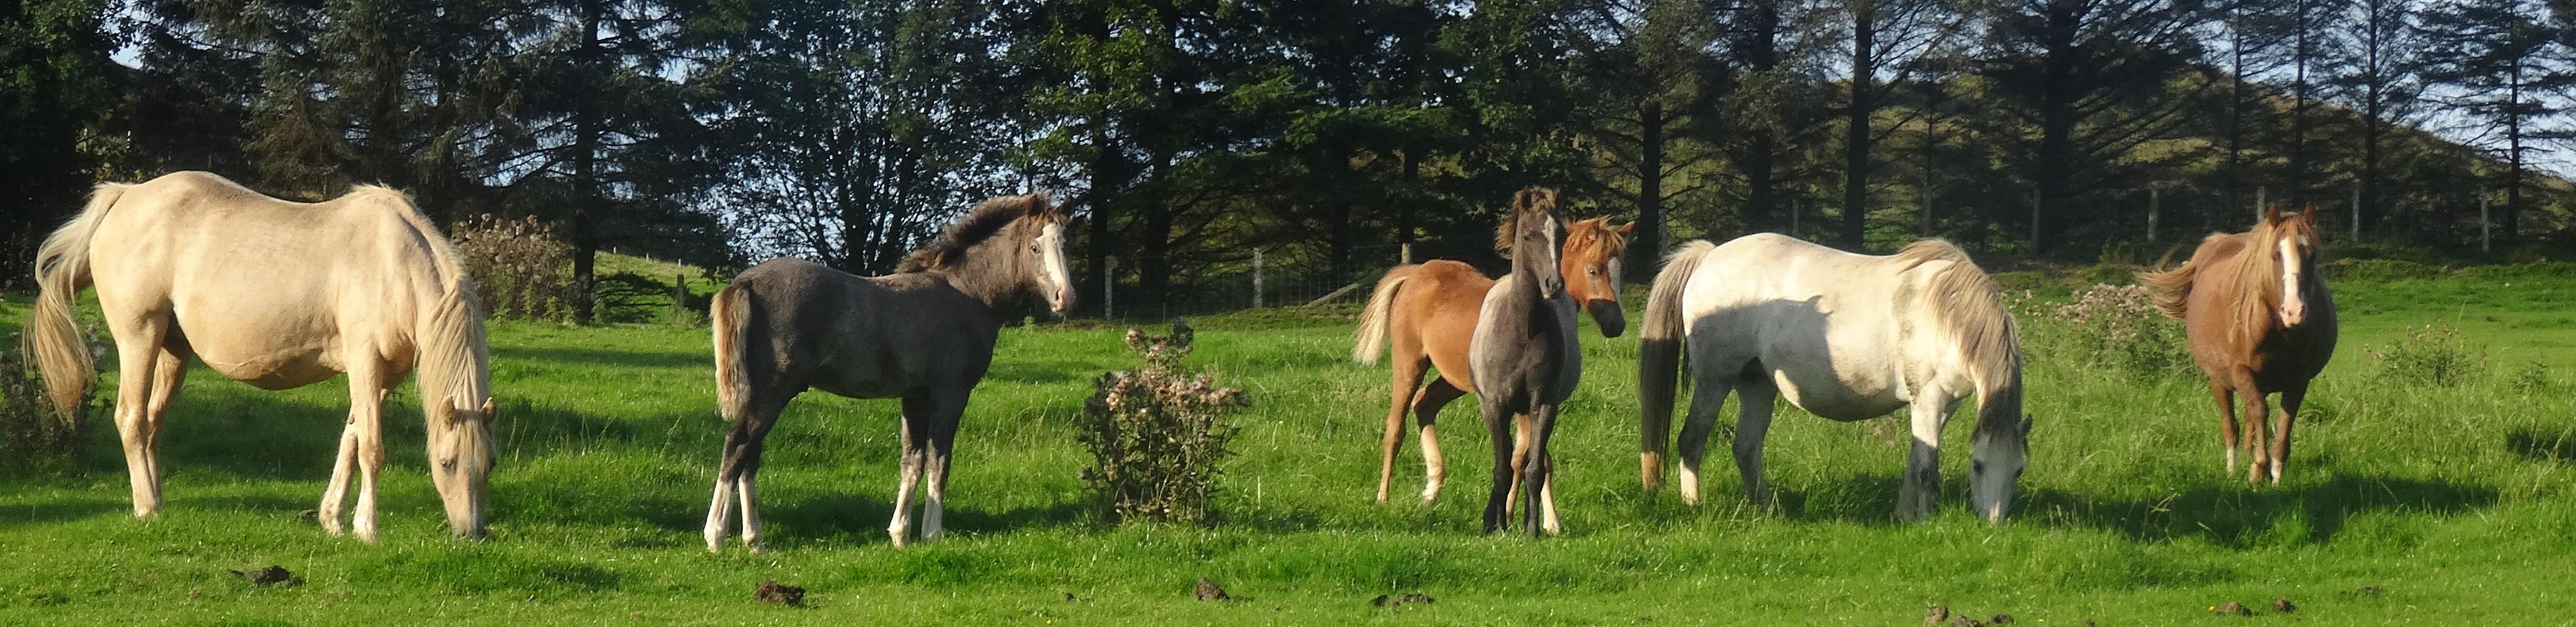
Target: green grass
[2452, 502]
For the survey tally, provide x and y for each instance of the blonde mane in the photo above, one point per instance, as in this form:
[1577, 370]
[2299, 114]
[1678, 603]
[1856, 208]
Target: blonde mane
[454, 361]
[1972, 309]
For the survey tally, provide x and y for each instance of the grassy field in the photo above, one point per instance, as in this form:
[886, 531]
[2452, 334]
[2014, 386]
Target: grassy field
[2450, 505]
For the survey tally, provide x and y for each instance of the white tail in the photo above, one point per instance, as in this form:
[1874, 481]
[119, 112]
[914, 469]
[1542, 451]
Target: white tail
[1371, 338]
[62, 269]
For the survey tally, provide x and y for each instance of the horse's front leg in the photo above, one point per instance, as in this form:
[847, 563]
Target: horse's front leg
[943, 441]
[2291, 398]
[1922, 486]
[1538, 474]
[1752, 427]
[1498, 428]
[366, 422]
[2255, 411]
[2223, 394]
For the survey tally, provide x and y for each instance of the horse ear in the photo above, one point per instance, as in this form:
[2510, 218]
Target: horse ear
[2272, 212]
[487, 408]
[2026, 422]
[1625, 229]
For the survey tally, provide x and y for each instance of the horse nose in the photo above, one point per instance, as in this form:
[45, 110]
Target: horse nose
[2292, 315]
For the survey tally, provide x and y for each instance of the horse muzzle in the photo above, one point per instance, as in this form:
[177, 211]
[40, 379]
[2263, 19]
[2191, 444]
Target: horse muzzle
[1606, 313]
[1061, 300]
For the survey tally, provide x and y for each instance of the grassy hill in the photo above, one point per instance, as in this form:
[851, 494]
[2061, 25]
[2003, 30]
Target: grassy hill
[2405, 504]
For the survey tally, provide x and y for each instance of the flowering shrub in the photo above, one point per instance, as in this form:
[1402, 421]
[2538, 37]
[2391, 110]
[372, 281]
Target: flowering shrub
[2431, 355]
[1157, 433]
[2110, 327]
[520, 269]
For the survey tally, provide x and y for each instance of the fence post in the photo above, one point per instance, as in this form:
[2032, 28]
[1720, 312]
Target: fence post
[1256, 278]
[2486, 228]
[2259, 192]
[2034, 219]
[2155, 205]
[1108, 288]
[1405, 257]
[2356, 212]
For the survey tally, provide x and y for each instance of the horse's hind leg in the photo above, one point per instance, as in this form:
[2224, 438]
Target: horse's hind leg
[1408, 375]
[1426, 411]
[2291, 398]
[743, 444]
[1707, 397]
[2224, 395]
[139, 350]
[1922, 485]
[1753, 426]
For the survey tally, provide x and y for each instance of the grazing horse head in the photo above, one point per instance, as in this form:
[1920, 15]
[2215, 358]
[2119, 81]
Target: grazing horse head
[1009, 244]
[2283, 270]
[1590, 262]
[455, 384]
[1532, 227]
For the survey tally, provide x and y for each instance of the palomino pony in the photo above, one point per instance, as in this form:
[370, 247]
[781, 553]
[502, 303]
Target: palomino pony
[1525, 362]
[279, 295]
[1429, 310]
[1844, 336]
[2260, 321]
[924, 334]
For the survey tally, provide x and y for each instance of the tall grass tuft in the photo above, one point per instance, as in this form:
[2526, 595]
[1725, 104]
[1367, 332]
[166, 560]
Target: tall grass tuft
[2431, 355]
[1157, 434]
[33, 438]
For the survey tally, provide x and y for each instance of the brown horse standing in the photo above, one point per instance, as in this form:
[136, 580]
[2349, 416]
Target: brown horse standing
[1429, 309]
[2260, 321]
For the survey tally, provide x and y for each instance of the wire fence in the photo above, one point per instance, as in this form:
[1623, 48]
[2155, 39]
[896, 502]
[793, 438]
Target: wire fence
[1261, 278]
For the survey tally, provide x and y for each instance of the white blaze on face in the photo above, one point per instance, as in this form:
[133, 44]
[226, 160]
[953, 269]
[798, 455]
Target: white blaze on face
[2294, 306]
[1614, 279]
[1059, 281]
[1557, 255]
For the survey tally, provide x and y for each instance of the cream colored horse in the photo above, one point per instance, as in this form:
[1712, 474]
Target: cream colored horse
[1844, 336]
[279, 295]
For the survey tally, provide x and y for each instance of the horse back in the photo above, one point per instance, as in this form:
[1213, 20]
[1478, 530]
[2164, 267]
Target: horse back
[877, 337]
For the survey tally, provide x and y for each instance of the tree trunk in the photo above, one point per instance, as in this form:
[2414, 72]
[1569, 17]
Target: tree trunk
[585, 167]
[1648, 247]
[1857, 127]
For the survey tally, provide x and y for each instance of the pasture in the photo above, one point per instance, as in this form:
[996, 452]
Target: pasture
[2451, 504]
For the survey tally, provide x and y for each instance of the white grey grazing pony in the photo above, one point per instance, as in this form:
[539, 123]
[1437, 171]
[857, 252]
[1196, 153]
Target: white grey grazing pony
[279, 295]
[1844, 336]
[924, 334]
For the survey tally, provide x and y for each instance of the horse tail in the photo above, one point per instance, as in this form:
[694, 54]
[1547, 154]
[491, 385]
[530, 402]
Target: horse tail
[1659, 357]
[2172, 287]
[1370, 340]
[730, 316]
[62, 269]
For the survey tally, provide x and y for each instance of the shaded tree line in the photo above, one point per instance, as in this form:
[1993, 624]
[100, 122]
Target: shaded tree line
[1323, 133]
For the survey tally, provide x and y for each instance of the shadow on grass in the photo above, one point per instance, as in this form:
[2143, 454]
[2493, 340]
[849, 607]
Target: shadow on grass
[843, 517]
[116, 502]
[2542, 445]
[644, 359]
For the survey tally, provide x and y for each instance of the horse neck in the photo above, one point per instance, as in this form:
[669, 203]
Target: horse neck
[453, 360]
[989, 275]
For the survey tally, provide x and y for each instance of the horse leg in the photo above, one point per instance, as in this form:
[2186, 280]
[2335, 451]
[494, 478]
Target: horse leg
[1522, 439]
[366, 419]
[2256, 410]
[2222, 393]
[1426, 411]
[2291, 398]
[1408, 375]
[743, 444]
[139, 350]
[1536, 474]
[1498, 427]
[335, 496]
[1707, 397]
[1752, 427]
[1922, 484]
[916, 417]
[943, 441]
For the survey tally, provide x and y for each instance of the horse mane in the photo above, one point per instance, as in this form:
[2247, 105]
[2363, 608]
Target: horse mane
[1596, 233]
[979, 224]
[454, 358]
[1539, 199]
[1966, 300]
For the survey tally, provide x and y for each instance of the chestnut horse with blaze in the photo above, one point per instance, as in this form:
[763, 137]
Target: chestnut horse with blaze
[1428, 311]
[2260, 321]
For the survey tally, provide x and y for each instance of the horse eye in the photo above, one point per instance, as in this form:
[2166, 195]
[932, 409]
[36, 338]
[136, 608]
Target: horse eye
[447, 465]
[1977, 467]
